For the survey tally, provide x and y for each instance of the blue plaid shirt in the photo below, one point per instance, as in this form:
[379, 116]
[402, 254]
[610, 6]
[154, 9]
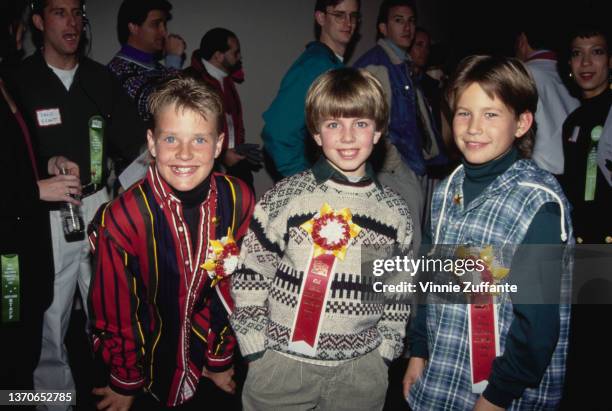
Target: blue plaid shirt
[499, 216]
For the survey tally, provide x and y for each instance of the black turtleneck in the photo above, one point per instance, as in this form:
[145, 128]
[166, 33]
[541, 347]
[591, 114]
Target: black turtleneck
[191, 201]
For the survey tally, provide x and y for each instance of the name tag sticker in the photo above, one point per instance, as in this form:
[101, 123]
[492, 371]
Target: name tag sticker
[48, 117]
[574, 137]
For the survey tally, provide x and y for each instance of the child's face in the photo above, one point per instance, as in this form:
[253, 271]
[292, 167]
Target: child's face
[486, 128]
[347, 143]
[185, 146]
[589, 64]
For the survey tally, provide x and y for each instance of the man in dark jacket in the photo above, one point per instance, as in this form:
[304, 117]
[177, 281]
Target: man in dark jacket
[74, 109]
[26, 258]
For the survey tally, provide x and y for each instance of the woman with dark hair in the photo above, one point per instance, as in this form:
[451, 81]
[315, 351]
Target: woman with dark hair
[25, 251]
[587, 182]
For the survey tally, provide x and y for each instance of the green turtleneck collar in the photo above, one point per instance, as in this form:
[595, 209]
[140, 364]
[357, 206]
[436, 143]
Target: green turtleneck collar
[479, 176]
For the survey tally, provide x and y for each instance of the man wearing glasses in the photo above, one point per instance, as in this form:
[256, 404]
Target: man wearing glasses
[285, 133]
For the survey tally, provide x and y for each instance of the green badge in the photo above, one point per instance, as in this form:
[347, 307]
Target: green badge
[96, 148]
[596, 133]
[590, 183]
[10, 287]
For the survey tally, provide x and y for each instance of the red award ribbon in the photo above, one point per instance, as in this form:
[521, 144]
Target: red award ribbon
[483, 325]
[331, 232]
[483, 339]
[311, 304]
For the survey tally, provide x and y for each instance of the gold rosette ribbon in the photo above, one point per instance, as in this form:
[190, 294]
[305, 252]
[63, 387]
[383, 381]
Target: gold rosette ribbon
[492, 272]
[224, 259]
[331, 231]
[497, 272]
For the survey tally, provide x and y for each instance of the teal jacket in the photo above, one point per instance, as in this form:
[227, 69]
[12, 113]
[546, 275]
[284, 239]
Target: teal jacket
[284, 134]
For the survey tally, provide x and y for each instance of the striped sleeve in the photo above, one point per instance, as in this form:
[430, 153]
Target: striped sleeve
[244, 205]
[114, 302]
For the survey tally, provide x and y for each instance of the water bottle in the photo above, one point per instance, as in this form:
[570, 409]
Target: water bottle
[72, 218]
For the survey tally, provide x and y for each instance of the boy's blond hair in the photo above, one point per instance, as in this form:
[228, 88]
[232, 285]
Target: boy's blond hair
[346, 92]
[187, 93]
[500, 77]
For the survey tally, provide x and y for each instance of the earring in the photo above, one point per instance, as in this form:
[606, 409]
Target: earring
[571, 75]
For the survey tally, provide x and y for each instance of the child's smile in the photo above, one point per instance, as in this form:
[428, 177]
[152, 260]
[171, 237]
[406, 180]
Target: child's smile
[185, 146]
[484, 127]
[347, 143]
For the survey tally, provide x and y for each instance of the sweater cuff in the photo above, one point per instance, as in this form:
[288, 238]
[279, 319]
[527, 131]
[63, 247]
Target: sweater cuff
[219, 364]
[251, 343]
[497, 396]
[387, 351]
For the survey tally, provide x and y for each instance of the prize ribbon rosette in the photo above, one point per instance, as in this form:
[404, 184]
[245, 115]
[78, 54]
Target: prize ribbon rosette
[225, 258]
[331, 232]
[492, 272]
[483, 322]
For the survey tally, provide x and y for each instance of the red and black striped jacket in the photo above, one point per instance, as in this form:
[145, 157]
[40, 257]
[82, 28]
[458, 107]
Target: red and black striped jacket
[157, 319]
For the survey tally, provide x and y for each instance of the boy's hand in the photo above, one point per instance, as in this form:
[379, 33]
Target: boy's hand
[414, 371]
[222, 379]
[111, 400]
[484, 405]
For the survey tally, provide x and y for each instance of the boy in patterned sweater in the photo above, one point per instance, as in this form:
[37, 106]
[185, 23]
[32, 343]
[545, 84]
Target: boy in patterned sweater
[300, 316]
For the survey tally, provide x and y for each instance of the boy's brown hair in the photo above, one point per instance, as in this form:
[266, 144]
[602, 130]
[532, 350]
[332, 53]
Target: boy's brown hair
[346, 92]
[187, 93]
[500, 77]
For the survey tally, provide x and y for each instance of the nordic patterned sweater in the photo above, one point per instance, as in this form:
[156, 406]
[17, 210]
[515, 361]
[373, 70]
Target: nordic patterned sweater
[274, 256]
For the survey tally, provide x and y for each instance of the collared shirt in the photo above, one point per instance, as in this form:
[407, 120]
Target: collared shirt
[220, 75]
[400, 52]
[324, 171]
[214, 71]
[157, 316]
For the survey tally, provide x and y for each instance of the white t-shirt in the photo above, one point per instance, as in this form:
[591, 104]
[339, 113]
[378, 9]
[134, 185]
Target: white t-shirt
[66, 76]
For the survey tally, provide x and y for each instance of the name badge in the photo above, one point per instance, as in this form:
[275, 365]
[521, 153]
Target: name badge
[9, 264]
[48, 117]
